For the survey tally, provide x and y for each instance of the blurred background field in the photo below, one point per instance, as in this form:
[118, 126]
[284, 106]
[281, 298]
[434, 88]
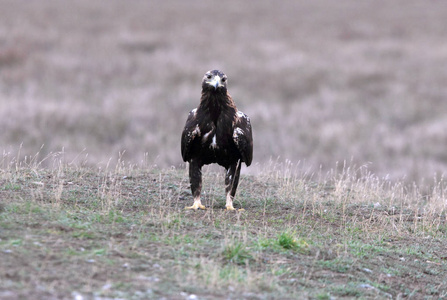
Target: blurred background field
[323, 81]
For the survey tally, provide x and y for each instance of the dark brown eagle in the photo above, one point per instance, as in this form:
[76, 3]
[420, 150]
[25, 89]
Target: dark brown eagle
[216, 132]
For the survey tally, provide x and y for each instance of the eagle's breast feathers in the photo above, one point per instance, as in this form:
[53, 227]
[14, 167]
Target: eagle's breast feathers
[230, 138]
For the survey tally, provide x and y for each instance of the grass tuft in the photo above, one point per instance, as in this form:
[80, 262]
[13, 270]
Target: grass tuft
[237, 253]
[287, 240]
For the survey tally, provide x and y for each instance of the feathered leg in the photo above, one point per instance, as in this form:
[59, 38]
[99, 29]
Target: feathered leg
[231, 183]
[195, 179]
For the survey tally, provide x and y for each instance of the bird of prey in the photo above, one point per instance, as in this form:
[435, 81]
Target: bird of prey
[216, 132]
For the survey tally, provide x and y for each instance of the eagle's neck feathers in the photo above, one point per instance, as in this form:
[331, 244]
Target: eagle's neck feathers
[216, 104]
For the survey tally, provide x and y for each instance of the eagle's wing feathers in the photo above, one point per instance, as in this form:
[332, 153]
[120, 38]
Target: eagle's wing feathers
[242, 137]
[190, 132]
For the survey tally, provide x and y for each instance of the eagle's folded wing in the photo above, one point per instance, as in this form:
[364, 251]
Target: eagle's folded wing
[190, 132]
[242, 137]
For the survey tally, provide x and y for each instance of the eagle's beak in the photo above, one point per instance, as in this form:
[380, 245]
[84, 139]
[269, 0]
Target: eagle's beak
[216, 82]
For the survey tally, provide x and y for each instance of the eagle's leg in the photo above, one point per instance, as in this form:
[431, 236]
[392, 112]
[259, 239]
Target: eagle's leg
[195, 179]
[231, 183]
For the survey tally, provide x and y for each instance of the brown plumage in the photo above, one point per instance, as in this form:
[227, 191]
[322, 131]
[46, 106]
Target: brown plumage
[216, 132]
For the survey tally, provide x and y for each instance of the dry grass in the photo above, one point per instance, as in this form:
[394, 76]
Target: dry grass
[322, 81]
[122, 232]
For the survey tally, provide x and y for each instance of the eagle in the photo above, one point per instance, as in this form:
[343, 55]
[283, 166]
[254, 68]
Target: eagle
[216, 132]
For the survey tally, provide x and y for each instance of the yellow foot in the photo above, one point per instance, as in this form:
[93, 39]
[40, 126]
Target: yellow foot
[231, 208]
[196, 206]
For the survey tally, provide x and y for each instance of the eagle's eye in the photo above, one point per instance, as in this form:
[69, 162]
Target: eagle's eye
[208, 76]
[224, 79]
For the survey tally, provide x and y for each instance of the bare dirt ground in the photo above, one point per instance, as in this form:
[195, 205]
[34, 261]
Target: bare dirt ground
[322, 81]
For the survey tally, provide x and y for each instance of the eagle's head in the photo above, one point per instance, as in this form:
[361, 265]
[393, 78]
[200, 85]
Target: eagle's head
[214, 80]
